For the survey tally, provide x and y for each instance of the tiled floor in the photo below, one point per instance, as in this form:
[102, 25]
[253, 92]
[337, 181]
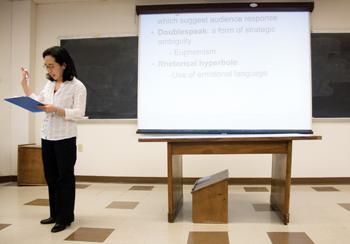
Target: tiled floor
[325, 188]
[255, 189]
[135, 214]
[90, 234]
[38, 202]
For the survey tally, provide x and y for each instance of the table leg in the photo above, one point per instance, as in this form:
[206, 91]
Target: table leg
[175, 185]
[280, 183]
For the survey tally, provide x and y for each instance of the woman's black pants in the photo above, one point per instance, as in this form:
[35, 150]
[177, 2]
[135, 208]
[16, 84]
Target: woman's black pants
[59, 159]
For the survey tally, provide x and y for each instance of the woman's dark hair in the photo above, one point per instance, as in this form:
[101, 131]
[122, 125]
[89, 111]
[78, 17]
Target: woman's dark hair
[61, 57]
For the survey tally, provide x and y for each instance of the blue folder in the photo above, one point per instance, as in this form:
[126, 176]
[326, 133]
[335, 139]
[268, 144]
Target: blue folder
[25, 102]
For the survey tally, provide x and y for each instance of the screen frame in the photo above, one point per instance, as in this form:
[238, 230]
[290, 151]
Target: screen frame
[225, 7]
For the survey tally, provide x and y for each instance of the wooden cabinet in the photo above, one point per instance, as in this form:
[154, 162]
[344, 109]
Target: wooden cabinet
[29, 165]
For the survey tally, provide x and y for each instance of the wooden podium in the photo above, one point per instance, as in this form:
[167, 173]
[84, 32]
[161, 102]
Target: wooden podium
[210, 199]
[280, 146]
[30, 169]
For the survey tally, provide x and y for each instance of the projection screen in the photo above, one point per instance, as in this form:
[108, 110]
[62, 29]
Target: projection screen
[225, 72]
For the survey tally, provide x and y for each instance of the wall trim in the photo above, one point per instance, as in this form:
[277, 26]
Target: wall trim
[321, 180]
[231, 181]
[8, 178]
[191, 180]
[122, 179]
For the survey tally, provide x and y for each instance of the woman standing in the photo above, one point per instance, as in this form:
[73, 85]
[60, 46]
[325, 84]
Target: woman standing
[64, 97]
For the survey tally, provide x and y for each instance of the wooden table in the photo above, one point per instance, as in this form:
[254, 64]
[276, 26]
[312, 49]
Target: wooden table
[280, 146]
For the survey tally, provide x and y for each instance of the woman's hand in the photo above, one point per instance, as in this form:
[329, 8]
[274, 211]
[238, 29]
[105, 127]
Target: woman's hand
[48, 108]
[24, 81]
[25, 75]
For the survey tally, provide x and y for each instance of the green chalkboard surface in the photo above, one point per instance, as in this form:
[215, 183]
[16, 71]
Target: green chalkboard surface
[330, 75]
[108, 68]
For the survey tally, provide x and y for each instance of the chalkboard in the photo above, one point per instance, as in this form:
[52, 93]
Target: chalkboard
[330, 75]
[108, 68]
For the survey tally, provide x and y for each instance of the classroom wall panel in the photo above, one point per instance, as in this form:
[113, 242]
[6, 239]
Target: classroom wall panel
[102, 140]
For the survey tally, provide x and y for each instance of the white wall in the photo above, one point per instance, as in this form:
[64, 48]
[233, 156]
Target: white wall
[5, 89]
[22, 35]
[110, 147]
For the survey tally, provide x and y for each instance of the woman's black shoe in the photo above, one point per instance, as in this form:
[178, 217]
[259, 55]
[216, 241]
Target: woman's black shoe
[59, 227]
[47, 221]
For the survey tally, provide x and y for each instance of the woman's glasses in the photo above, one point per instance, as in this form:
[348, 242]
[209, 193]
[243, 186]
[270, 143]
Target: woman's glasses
[49, 66]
